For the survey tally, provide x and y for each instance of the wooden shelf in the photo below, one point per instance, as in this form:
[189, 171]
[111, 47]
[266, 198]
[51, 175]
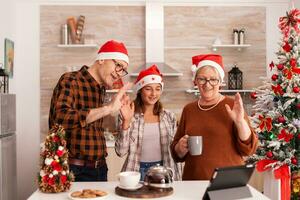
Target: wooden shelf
[77, 45]
[116, 90]
[185, 47]
[239, 47]
[195, 91]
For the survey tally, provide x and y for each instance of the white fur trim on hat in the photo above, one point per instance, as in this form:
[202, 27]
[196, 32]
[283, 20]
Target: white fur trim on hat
[209, 63]
[148, 80]
[113, 55]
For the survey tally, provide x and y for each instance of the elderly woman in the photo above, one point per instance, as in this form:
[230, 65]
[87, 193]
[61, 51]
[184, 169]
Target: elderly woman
[147, 128]
[220, 120]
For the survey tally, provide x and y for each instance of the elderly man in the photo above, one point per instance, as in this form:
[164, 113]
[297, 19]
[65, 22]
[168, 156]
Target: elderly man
[77, 104]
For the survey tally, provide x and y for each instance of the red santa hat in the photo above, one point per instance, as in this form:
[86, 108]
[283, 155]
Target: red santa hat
[147, 76]
[212, 60]
[113, 50]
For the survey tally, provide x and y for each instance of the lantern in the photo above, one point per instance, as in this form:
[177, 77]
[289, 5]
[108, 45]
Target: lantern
[3, 81]
[235, 79]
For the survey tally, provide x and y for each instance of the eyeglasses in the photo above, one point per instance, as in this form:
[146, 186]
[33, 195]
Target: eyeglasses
[119, 69]
[212, 82]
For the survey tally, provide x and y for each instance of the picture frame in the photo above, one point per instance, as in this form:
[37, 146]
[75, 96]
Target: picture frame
[9, 57]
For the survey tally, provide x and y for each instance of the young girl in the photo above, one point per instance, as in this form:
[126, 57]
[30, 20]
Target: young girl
[147, 128]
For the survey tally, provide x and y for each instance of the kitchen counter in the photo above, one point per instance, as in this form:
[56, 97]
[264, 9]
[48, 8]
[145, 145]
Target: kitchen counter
[183, 190]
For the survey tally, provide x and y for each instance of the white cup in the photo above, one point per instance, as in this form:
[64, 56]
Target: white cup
[195, 145]
[129, 179]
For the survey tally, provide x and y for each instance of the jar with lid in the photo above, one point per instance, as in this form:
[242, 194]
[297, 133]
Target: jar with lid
[242, 36]
[64, 34]
[235, 36]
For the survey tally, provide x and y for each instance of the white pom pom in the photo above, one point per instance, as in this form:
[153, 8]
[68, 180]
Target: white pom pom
[51, 175]
[63, 172]
[60, 148]
[56, 157]
[55, 172]
[42, 173]
[48, 161]
[194, 68]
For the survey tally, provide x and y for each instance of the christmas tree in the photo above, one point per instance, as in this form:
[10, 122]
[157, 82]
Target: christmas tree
[54, 174]
[276, 117]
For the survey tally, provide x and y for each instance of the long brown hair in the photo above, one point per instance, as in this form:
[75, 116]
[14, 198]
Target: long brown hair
[140, 108]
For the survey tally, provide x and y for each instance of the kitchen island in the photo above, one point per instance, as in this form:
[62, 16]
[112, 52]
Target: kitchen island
[183, 190]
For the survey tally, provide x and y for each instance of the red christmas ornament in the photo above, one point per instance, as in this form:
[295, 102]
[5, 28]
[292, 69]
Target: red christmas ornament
[280, 66]
[296, 89]
[293, 62]
[59, 153]
[253, 95]
[51, 181]
[274, 77]
[56, 138]
[271, 65]
[56, 166]
[294, 161]
[287, 47]
[269, 154]
[45, 178]
[281, 119]
[298, 106]
[63, 178]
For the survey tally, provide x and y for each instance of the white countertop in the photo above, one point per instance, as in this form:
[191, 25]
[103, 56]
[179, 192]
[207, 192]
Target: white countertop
[183, 190]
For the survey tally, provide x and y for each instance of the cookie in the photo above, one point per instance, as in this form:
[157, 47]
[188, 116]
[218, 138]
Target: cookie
[76, 194]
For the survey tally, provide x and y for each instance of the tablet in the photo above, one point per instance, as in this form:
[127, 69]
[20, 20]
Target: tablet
[229, 177]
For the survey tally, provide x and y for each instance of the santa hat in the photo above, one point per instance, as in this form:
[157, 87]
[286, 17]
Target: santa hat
[113, 50]
[212, 60]
[147, 76]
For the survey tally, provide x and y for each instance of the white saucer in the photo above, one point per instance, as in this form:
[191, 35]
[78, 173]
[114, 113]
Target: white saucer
[138, 186]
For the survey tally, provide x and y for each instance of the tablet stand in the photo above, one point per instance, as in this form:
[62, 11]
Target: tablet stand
[230, 193]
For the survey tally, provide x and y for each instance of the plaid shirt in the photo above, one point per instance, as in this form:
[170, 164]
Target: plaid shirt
[130, 142]
[73, 97]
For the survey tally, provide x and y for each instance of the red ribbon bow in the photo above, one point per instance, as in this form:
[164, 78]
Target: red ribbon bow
[265, 123]
[282, 173]
[290, 20]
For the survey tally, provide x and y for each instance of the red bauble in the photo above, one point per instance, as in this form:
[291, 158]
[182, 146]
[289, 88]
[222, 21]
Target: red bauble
[253, 95]
[59, 153]
[281, 119]
[294, 161]
[51, 181]
[63, 178]
[293, 62]
[45, 178]
[298, 106]
[274, 77]
[269, 154]
[280, 67]
[56, 138]
[287, 47]
[296, 89]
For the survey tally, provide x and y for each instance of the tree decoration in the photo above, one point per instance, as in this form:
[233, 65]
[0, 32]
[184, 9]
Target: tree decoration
[54, 175]
[276, 117]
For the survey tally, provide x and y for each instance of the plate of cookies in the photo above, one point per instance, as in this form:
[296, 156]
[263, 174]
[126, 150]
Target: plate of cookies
[87, 194]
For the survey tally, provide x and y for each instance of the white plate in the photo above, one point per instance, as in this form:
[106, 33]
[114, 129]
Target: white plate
[78, 198]
[131, 188]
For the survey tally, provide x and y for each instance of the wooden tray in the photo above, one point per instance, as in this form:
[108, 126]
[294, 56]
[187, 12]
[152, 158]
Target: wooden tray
[144, 192]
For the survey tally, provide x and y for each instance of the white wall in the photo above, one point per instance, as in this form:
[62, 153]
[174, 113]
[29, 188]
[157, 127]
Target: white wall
[28, 97]
[7, 30]
[27, 72]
